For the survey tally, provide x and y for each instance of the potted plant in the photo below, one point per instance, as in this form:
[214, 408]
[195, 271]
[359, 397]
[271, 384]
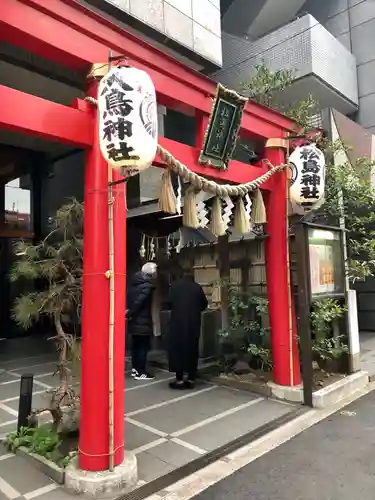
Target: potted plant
[56, 265]
[245, 344]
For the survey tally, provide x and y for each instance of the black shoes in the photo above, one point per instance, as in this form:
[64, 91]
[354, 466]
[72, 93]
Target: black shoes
[187, 384]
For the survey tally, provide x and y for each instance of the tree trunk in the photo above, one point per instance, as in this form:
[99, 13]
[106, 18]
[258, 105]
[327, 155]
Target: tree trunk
[62, 342]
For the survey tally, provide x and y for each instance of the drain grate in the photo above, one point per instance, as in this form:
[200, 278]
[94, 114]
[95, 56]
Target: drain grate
[161, 483]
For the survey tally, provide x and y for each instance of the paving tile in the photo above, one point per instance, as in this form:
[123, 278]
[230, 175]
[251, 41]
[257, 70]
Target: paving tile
[38, 368]
[52, 380]
[58, 494]
[223, 431]
[3, 497]
[150, 467]
[151, 395]
[190, 411]
[136, 437]
[3, 450]
[173, 454]
[38, 401]
[7, 377]
[10, 390]
[28, 478]
[20, 363]
[61, 494]
[173, 417]
[6, 429]
[5, 416]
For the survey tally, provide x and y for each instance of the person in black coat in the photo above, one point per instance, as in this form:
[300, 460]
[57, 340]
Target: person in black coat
[187, 301]
[139, 316]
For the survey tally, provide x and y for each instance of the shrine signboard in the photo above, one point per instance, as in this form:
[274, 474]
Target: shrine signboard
[223, 128]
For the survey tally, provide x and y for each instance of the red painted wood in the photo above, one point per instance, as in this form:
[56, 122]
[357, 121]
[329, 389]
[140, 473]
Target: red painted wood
[94, 402]
[21, 112]
[42, 25]
[284, 362]
[49, 120]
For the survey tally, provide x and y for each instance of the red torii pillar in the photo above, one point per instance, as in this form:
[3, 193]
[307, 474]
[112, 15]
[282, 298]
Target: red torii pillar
[286, 368]
[94, 414]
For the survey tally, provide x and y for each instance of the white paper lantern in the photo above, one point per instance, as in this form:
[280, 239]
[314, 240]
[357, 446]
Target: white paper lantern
[308, 177]
[128, 122]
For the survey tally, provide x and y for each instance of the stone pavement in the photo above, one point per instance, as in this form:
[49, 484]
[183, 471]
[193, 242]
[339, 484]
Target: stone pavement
[165, 429]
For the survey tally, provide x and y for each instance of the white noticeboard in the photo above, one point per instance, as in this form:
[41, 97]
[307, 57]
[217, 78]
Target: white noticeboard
[321, 270]
[326, 262]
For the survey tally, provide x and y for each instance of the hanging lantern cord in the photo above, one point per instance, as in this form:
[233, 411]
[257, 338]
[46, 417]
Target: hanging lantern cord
[201, 183]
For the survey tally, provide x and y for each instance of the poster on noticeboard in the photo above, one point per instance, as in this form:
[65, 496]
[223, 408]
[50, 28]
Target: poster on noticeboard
[326, 263]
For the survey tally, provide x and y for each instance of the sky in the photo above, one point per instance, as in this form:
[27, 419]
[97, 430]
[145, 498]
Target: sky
[17, 199]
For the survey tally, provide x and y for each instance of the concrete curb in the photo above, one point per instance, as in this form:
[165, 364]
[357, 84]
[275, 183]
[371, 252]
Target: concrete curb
[340, 389]
[48, 468]
[326, 396]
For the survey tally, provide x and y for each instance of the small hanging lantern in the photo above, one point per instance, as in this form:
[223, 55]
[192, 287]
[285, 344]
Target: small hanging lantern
[308, 177]
[128, 124]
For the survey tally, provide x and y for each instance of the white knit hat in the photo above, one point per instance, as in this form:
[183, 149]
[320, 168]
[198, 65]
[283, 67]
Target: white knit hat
[149, 268]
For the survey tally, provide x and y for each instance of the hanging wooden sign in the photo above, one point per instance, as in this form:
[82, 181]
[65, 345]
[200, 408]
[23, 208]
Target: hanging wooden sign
[223, 128]
[128, 124]
[308, 177]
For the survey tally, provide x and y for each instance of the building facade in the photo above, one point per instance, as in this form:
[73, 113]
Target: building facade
[329, 49]
[184, 28]
[328, 44]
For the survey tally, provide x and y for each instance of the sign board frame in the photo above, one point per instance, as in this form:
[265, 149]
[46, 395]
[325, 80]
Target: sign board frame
[223, 128]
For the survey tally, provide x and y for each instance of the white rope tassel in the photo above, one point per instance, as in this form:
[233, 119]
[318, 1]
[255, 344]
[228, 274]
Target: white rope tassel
[202, 211]
[180, 242]
[248, 203]
[227, 211]
[142, 250]
[152, 249]
[179, 196]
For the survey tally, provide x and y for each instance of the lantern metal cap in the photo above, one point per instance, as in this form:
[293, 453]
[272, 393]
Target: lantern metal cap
[98, 70]
[277, 142]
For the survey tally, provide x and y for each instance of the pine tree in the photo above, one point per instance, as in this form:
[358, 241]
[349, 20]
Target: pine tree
[55, 266]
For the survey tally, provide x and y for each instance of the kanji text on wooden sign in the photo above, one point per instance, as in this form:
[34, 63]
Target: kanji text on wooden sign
[223, 128]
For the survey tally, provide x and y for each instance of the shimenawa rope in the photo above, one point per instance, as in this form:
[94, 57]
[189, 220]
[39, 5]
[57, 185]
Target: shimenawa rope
[201, 183]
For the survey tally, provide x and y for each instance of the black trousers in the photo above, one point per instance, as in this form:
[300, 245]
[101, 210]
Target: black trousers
[141, 345]
[191, 376]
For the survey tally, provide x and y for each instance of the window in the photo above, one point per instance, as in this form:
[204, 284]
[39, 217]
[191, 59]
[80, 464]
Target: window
[18, 203]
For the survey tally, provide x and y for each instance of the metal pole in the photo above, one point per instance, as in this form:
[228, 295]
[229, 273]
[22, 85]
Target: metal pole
[25, 400]
[304, 326]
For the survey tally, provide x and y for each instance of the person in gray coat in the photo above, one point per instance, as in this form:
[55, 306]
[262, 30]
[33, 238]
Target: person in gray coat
[139, 317]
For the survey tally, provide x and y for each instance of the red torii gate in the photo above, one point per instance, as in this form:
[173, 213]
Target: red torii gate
[70, 34]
